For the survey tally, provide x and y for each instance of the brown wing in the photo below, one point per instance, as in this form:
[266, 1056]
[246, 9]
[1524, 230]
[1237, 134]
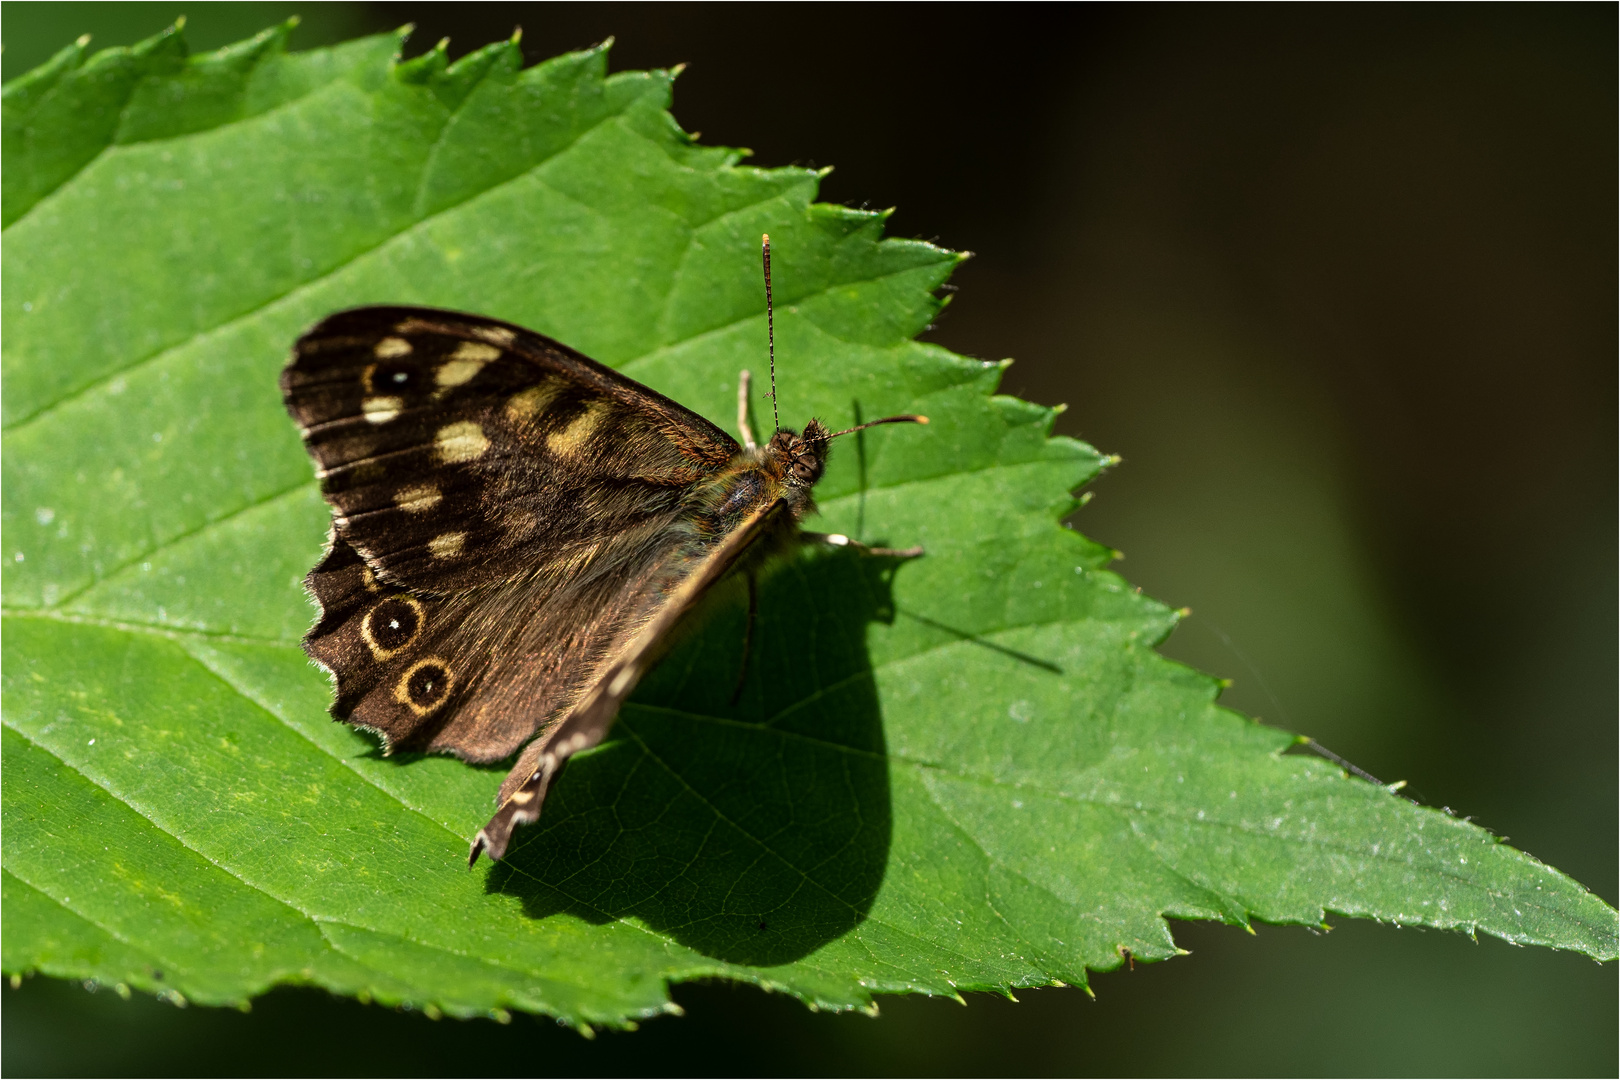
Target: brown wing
[477, 673]
[458, 451]
[500, 506]
[587, 723]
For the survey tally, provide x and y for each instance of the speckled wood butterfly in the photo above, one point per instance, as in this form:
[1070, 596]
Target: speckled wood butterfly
[516, 529]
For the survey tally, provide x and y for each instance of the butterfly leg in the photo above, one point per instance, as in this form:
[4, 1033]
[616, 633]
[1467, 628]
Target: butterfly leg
[742, 412]
[748, 635]
[840, 540]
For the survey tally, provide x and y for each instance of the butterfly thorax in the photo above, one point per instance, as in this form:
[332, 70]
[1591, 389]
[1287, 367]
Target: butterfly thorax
[783, 470]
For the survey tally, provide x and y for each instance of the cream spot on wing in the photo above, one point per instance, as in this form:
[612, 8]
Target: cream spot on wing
[416, 500]
[464, 363]
[525, 405]
[476, 350]
[447, 545]
[500, 335]
[380, 410]
[390, 347]
[572, 437]
[522, 798]
[461, 441]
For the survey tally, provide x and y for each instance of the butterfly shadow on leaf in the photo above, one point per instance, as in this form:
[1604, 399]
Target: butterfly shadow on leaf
[753, 832]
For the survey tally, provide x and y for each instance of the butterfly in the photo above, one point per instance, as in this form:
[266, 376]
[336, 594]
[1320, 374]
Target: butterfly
[517, 530]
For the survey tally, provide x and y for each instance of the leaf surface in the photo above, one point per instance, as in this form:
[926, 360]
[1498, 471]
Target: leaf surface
[967, 771]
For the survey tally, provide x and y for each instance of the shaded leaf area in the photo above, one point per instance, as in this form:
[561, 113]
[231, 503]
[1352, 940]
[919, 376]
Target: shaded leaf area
[967, 770]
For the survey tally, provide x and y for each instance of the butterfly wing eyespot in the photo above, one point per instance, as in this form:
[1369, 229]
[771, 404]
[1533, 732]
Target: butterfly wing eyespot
[391, 625]
[425, 685]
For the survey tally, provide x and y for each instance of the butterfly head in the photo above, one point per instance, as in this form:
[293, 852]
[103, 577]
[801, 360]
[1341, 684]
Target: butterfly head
[803, 457]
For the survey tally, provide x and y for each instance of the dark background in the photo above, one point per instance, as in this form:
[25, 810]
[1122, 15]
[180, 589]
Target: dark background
[1339, 283]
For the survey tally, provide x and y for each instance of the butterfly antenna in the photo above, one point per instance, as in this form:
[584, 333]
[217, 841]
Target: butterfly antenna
[770, 330]
[904, 418]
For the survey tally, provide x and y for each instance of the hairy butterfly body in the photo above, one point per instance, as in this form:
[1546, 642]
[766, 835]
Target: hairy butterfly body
[516, 529]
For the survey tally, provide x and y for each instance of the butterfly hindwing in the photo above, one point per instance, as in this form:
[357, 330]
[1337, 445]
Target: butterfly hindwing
[477, 673]
[458, 451]
[584, 725]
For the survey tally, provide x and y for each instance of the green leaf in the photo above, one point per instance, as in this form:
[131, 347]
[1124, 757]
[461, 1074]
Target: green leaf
[965, 771]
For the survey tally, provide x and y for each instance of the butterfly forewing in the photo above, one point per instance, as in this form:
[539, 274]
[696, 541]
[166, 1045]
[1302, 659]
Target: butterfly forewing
[458, 451]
